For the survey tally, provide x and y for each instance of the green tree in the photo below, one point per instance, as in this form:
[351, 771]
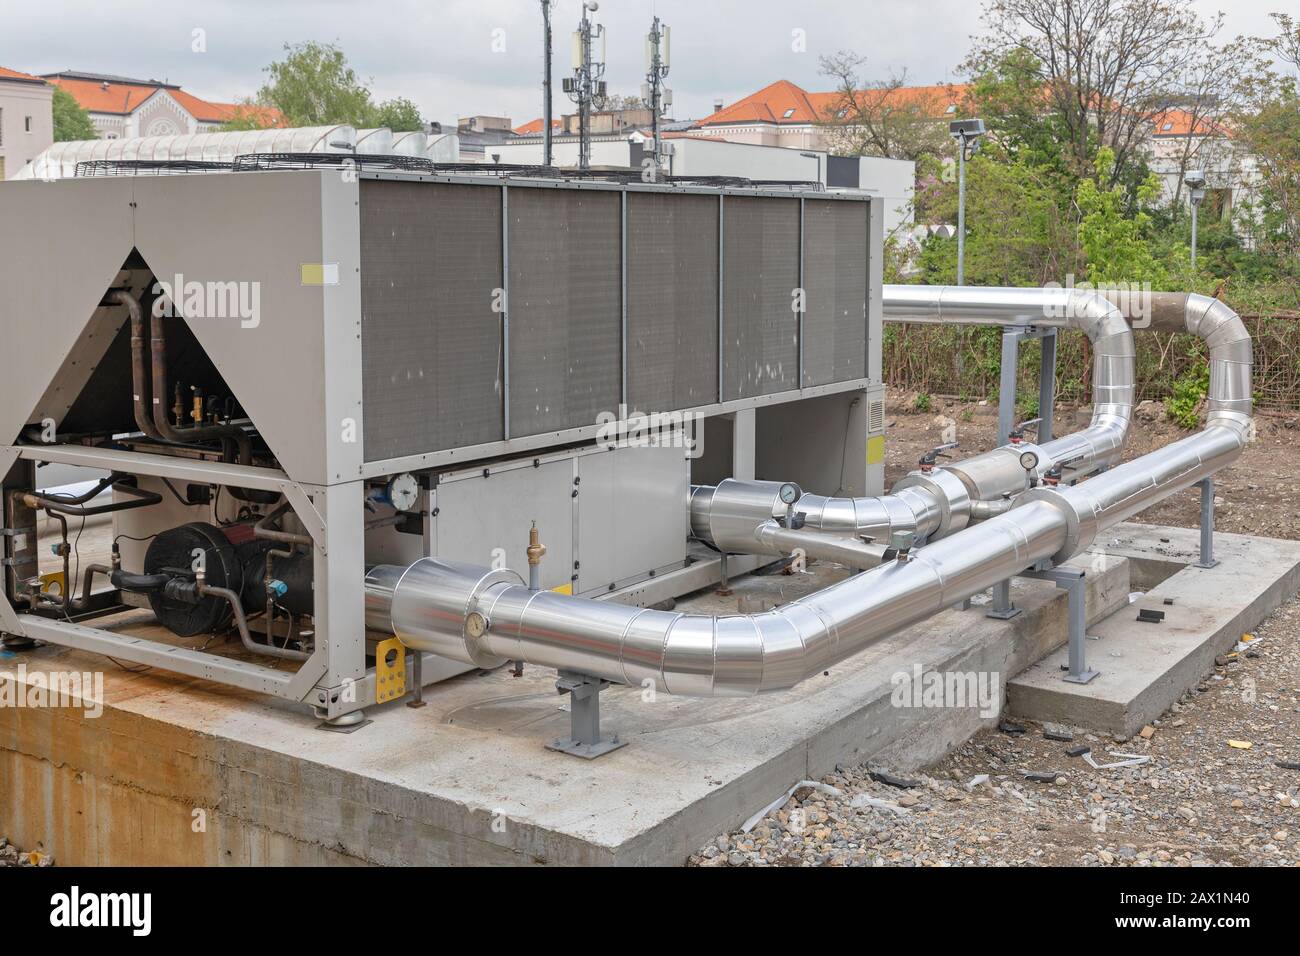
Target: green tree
[1115, 241]
[398, 114]
[1023, 125]
[71, 122]
[314, 86]
[1104, 66]
[1268, 126]
[1017, 230]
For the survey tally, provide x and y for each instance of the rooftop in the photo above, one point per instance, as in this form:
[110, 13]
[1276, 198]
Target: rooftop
[121, 96]
[785, 102]
[7, 74]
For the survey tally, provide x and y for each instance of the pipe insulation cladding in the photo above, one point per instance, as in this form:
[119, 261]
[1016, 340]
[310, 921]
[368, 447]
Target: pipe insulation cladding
[485, 617]
[946, 499]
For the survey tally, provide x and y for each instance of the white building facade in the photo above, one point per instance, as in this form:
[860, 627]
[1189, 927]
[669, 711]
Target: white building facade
[26, 120]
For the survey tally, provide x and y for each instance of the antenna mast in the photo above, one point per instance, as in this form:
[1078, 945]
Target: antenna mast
[586, 84]
[657, 50]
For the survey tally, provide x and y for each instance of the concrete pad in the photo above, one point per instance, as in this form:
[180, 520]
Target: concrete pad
[180, 771]
[1146, 667]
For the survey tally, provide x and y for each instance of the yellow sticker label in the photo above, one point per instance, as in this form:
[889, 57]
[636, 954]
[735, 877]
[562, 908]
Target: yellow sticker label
[320, 273]
[564, 588]
[875, 449]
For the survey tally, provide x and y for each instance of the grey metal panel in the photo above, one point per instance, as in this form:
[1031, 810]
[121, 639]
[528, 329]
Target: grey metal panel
[672, 288]
[485, 521]
[633, 515]
[62, 244]
[835, 280]
[431, 340]
[761, 273]
[565, 308]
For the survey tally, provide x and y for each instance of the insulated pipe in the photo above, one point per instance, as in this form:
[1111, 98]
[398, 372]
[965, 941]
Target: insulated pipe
[486, 617]
[777, 539]
[997, 473]
[1129, 488]
[727, 514]
[944, 500]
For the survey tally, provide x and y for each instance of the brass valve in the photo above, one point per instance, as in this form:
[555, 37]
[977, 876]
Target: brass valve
[535, 547]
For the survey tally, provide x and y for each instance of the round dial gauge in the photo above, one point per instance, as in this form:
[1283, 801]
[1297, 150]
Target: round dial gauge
[476, 625]
[789, 493]
[403, 492]
[1028, 461]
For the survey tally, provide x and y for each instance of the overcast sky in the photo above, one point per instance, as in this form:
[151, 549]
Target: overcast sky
[447, 55]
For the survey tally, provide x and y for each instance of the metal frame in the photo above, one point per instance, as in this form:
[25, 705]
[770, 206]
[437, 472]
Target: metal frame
[803, 289]
[505, 314]
[1206, 558]
[332, 516]
[1073, 582]
[1003, 609]
[585, 739]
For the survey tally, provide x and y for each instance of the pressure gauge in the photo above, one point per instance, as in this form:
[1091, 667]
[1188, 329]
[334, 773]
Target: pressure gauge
[403, 492]
[476, 625]
[1028, 460]
[789, 493]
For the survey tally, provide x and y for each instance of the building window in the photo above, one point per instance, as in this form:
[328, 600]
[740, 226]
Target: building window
[789, 113]
[27, 124]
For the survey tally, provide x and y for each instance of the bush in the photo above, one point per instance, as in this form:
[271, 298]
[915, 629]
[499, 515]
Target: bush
[922, 403]
[1190, 389]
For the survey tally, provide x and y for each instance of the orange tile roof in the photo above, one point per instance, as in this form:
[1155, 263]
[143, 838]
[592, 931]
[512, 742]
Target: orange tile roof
[784, 102]
[535, 126]
[6, 74]
[1176, 122]
[104, 96]
[208, 112]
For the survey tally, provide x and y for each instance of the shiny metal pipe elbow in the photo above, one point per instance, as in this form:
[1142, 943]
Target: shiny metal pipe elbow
[1118, 494]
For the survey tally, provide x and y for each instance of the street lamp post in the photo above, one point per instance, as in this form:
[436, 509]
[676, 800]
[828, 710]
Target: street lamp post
[1195, 180]
[967, 133]
[547, 149]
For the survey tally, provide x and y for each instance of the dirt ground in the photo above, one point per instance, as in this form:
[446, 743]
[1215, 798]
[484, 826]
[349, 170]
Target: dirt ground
[1197, 801]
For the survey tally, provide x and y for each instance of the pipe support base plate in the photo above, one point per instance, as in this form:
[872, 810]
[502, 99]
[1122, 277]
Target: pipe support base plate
[567, 745]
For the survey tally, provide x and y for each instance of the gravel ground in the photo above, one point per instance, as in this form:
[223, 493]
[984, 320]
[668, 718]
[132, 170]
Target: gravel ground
[1198, 800]
[10, 855]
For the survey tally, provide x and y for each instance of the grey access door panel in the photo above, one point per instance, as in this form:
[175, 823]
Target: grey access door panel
[633, 514]
[564, 308]
[430, 337]
[835, 280]
[672, 301]
[485, 521]
[760, 275]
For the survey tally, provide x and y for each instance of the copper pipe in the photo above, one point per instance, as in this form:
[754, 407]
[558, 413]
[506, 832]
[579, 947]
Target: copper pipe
[139, 377]
[196, 433]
